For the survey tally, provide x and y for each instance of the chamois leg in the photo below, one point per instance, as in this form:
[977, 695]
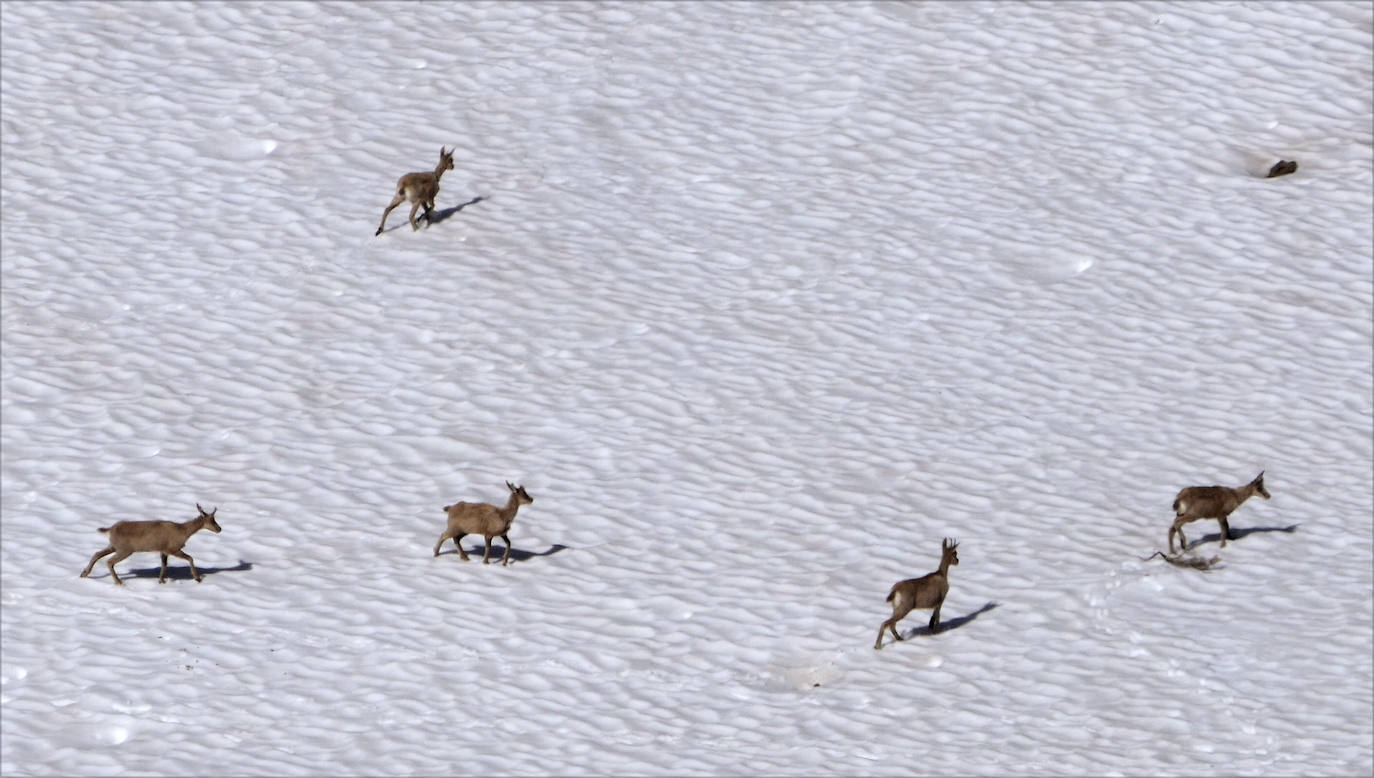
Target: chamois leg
[899, 612]
[935, 619]
[1177, 529]
[440, 544]
[889, 624]
[96, 558]
[120, 557]
[183, 555]
[1225, 529]
[162, 576]
[892, 625]
[458, 541]
[413, 208]
[900, 608]
[486, 553]
[395, 201]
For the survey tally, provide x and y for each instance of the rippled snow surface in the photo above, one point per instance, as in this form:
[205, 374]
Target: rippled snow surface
[759, 301]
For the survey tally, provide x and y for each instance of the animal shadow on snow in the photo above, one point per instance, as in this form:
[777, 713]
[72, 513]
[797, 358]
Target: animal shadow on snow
[435, 216]
[949, 624]
[438, 215]
[1238, 533]
[182, 571]
[498, 550]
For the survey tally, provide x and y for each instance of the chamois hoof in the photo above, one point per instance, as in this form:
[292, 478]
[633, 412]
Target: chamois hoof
[378, 232]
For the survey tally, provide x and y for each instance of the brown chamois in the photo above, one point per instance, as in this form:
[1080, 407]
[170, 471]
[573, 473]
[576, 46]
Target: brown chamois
[1211, 502]
[928, 591]
[476, 518]
[420, 189]
[165, 537]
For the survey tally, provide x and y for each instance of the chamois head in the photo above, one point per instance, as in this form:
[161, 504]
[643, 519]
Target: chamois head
[210, 522]
[948, 554]
[1258, 483]
[522, 496]
[446, 158]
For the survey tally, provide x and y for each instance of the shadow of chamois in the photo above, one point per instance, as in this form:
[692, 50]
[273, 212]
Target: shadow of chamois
[435, 216]
[498, 550]
[178, 570]
[438, 215]
[955, 623]
[1238, 533]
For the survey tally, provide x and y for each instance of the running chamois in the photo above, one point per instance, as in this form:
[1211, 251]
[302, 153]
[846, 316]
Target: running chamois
[164, 537]
[928, 591]
[472, 518]
[1211, 502]
[420, 189]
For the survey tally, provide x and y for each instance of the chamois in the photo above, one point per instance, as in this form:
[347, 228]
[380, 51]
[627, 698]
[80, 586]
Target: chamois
[1211, 502]
[483, 519]
[928, 591]
[165, 537]
[420, 189]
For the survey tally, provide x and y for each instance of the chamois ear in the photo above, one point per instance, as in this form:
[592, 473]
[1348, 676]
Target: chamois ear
[512, 488]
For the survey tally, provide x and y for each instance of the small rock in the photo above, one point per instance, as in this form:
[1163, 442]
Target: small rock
[1282, 168]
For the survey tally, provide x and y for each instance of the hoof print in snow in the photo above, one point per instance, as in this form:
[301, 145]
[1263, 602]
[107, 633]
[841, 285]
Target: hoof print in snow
[1282, 168]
